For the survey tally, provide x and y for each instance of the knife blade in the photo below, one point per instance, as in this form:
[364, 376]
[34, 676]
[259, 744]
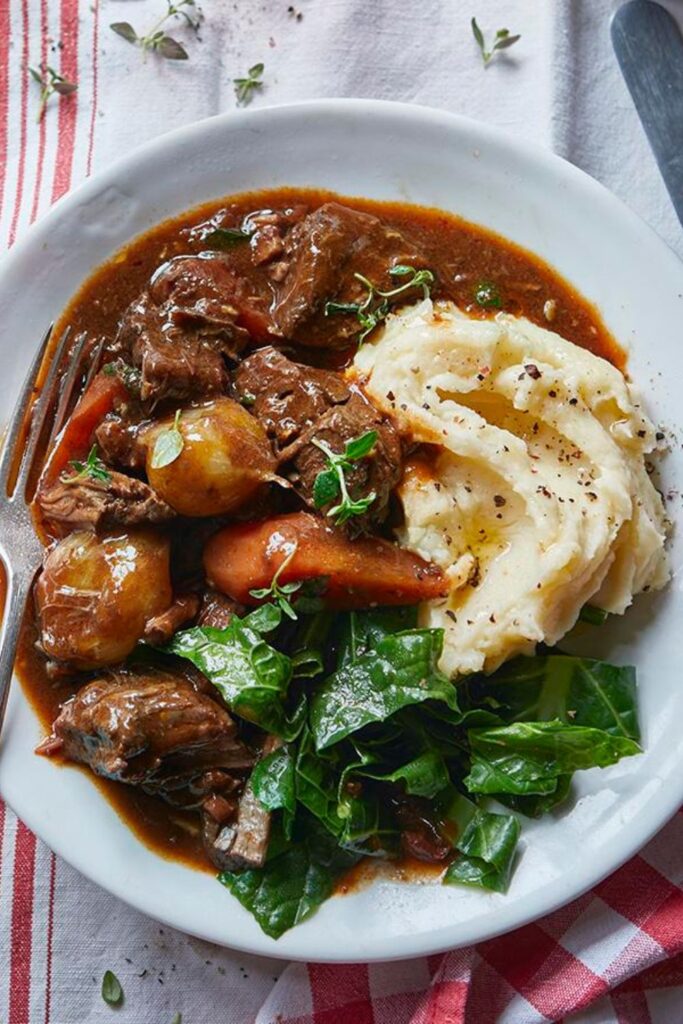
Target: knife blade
[649, 47]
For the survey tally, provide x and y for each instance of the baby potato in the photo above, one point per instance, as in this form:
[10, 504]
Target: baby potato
[223, 459]
[95, 595]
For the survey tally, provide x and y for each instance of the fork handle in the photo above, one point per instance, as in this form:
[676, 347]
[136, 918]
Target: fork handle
[18, 587]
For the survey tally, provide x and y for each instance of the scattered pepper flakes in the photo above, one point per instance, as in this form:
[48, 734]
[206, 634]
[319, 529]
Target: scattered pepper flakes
[533, 371]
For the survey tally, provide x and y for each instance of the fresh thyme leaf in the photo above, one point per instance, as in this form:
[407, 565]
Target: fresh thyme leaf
[177, 1018]
[168, 445]
[226, 238]
[501, 41]
[125, 30]
[171, 49]
[245, 87]
[156, 40]
[487, 296]
[375, 306]
[331, 482]
[112, 993]
[278, 594]
[50, 82]
[93, 468]
[129, 375]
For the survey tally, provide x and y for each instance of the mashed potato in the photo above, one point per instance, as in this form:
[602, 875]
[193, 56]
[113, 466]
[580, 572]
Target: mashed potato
[537, 499]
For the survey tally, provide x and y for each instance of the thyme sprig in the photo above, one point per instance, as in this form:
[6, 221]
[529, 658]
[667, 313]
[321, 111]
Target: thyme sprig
[157, 40]
[50, 82]
[376, 305]
[92, 469]
[278, 594]
[247, 86]
[331, 482]
[501, 41]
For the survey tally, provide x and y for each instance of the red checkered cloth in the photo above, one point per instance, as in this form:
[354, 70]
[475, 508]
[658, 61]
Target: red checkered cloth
[612, 956]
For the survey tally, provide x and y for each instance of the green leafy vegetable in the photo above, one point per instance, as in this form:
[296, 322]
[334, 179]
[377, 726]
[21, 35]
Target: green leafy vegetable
[331, 482]
[502, 41]
[92, 469]
[112, 993]
[592, 615]
[246, 87]
[578, 691]
[360, 630]
[487, 849]
[278, 594]
[50, 82]
[273, 780]
[375, 307]
[226, 239]
[487, 296]
[156, 40]
[293, 884]
[168, 445]
[529, 757]
[426, 775]
[401, 670]
[251, 676]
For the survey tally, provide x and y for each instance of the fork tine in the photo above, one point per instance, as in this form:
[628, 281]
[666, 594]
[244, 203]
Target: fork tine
[39, 412]
[68, 383]
[16, 423]
[95, 357]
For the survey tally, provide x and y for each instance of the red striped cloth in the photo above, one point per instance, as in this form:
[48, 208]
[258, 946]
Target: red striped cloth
[615, 956]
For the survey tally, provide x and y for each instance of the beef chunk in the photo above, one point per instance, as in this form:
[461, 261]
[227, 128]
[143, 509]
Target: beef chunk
[323, 253]
[287, 397]
[379, 472]
[119, 440]
[217, 610]
[146, 729]
[243, 842]
[174, 363]
[297, 403]
[161, 628]
[101, 504]
[196, 313]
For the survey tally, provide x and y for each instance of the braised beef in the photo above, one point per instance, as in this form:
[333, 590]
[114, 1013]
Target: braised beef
[298, 403]
[286, 396]
[146, 729]
[323, 252]
[119, 440]
[243, 842]
[217, 610]
[161, 628]
[94, 504]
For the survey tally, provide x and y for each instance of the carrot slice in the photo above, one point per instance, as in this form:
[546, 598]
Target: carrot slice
[75, 438]
[358, 573]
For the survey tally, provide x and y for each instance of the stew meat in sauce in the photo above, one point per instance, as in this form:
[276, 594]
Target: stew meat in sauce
[193, 448]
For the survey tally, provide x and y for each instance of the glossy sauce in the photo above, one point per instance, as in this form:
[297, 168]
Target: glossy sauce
[467, 255]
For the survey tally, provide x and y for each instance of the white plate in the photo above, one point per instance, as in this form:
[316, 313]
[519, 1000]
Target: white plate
[383, 151]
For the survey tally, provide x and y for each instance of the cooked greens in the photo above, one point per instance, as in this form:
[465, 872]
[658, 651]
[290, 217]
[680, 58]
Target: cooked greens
[376, 732]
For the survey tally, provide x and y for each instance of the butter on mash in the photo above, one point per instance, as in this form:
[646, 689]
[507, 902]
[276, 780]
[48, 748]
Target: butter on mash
[537, 499]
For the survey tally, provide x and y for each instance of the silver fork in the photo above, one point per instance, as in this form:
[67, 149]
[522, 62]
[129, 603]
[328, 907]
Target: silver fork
[20, 548]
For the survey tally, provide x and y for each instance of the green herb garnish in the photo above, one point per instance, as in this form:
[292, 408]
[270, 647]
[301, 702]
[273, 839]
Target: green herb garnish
[501, 41]
[246, 87]
[92, 469]
[487, 295]
[50, 82]
[376, 306]
[226, 238]
[331, 482]
[280, 595]
[112, 993]
[593, 615]
[168, 445]
[130, 376]
[156, 40]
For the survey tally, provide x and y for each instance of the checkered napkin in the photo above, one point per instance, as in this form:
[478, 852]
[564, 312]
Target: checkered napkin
[614, 955]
